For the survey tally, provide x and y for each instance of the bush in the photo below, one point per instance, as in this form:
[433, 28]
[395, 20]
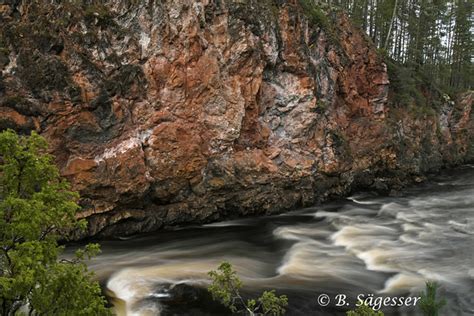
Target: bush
[316, 15]
[404, 84]
[225, 289]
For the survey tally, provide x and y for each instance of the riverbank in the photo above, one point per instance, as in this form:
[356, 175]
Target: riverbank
[365, 244]
[167, 115]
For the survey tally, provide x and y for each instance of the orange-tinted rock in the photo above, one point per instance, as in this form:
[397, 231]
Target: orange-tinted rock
[193, 111]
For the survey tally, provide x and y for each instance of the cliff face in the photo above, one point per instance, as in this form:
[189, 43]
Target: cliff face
[163, 113]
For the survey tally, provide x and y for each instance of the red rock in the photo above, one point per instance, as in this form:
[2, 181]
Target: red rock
[225, 115]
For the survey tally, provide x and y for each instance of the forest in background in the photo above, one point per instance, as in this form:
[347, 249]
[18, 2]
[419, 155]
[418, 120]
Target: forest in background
[426, 42]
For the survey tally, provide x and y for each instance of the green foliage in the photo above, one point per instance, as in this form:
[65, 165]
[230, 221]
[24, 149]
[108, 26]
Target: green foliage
[321, 106]
[225, 288]
[316, 15]
[36, 209]
[364, 310]
[422, 111]
[225, 285]
[413, 89]
[405, 85]
[431, 40]
[272, 304]
[429, 305]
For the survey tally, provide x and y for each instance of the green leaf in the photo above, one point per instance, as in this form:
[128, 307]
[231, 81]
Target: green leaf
[36, 209]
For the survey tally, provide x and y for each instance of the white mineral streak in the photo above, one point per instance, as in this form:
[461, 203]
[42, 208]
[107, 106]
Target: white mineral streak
[144, 41]
[135, 141]
[11, 65]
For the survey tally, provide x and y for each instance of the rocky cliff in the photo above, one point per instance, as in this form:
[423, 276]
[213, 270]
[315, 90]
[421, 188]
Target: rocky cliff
[169, 112]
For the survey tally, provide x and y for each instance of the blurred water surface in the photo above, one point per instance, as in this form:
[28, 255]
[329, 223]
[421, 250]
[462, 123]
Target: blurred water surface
[387, 246]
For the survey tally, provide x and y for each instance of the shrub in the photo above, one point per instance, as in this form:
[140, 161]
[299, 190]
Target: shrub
[225, 288]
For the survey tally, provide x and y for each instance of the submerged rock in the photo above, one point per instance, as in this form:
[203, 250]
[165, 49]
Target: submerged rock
[182, 299]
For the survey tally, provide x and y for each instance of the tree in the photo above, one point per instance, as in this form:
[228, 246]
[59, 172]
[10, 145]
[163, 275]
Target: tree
[225, 288]
[432, 39]
[392, 20]
[36, 210]
[428, 303]
[462, 68]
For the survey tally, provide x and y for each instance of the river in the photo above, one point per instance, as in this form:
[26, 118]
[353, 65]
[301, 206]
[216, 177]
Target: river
[365, 244]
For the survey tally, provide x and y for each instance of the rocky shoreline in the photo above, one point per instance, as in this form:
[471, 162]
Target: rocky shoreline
[175, 113]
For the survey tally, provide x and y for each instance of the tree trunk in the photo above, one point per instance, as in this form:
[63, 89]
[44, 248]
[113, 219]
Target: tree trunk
[394, 13]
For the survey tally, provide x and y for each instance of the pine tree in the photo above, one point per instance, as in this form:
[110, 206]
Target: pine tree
[431, 38]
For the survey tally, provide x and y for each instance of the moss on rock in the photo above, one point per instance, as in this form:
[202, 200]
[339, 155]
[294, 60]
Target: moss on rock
[41, 73]
[21, 105]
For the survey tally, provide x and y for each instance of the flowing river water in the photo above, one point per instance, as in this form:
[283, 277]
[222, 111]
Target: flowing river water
[365, 244]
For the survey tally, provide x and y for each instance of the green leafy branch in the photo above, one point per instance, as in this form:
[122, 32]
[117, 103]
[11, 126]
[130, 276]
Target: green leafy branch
[225, 287]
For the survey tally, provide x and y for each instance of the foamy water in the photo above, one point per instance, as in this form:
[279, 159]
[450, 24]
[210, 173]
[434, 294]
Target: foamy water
[364, 244]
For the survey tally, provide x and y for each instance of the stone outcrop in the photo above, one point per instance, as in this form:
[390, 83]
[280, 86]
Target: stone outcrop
[170, 112]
